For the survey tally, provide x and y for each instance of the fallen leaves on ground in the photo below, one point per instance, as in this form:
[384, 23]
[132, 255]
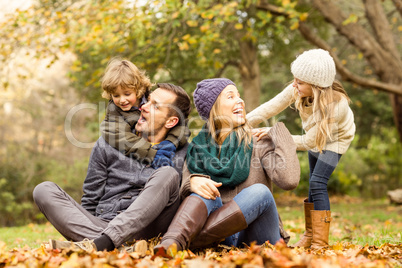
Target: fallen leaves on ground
[337, 255]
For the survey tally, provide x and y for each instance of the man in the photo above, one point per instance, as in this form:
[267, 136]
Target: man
[124, 199]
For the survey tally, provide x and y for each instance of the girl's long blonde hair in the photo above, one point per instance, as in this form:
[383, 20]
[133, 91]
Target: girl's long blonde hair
[215, 124]
[323, 103]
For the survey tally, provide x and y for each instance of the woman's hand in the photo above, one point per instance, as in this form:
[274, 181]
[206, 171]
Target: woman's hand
[260, 132]
[205, 187]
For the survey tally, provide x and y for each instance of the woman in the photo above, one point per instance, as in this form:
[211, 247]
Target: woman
[227, 177]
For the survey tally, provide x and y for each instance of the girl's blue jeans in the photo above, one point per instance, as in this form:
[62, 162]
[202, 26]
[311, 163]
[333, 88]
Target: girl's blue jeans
[321, 167]
[259, 209]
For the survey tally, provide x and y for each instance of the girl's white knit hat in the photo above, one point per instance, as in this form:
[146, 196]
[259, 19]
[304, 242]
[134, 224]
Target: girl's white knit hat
[315, 67]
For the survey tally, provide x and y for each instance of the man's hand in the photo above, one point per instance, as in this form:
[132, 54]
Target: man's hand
[205, 187]
[164, 155]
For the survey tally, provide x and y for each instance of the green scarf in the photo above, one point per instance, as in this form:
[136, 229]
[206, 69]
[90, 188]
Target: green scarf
[231, 167]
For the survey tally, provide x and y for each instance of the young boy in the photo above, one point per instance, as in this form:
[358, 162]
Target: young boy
[127, 89]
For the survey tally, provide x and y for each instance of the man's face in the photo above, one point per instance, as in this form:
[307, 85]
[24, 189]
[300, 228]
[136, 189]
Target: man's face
[155, 113]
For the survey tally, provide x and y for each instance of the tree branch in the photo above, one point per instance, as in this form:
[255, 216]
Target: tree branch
[227, 64]
[356, 35]
[264, 5]
[346, 74]
[398, 5]
[381, 60]
[376, 17]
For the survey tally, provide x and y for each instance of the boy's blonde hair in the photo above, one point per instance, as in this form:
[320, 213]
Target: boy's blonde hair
[323, 103]
[123, 73]
[215, 123]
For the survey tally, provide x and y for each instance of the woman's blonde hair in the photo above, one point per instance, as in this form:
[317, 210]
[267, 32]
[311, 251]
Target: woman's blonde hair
[216, 122]
[123, 73]
[323, 103]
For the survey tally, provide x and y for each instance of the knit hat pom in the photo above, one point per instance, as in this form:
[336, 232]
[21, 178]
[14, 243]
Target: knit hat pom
[315, 67]
[207, 92]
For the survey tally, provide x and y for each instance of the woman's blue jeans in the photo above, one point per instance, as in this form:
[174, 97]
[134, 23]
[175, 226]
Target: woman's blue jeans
[259, 209]
[321, 167]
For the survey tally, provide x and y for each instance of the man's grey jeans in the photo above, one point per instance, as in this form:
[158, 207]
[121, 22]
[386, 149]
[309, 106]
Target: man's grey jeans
[148, 216]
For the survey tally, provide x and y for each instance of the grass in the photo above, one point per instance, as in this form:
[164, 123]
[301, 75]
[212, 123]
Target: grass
[32, 235]
[361, 222]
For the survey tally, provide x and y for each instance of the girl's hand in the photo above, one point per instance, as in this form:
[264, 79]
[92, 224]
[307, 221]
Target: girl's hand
[260, 132]
[205, 187]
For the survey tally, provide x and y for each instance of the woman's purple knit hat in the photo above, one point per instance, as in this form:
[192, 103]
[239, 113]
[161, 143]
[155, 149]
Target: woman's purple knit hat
[207, 92]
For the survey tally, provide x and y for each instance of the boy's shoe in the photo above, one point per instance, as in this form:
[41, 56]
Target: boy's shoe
[141, 247]
[86, 244]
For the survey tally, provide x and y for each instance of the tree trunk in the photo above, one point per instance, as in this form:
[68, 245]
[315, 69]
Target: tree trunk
[250, 74]
[396, 101]
[378, 48]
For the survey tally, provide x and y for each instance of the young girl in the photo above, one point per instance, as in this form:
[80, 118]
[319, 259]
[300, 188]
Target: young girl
[227, 178]
[329, 127]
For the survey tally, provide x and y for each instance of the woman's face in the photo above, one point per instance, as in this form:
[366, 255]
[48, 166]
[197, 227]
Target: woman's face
[303, 88]
[231, 108]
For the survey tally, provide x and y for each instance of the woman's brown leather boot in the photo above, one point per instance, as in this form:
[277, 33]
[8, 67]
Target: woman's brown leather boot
[221, 223]
[186, 224]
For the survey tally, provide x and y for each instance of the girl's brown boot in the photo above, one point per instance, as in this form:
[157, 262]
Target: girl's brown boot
[305, 240]
[321, 220]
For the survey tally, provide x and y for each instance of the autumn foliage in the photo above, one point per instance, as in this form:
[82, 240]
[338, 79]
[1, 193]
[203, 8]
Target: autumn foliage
[338, 255]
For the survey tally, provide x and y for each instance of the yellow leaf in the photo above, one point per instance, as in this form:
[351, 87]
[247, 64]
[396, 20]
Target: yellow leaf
[218, 65]
[400, 28]
[192, 41]
[172, 250]
[238, 26]
[175, 15]
[303, 16]
[368, 71]
[217, 51]
[192, 23]
[351, 19]
[233, 4]
[218, 6]
[338, 246]
[204, 15]
[183, 46]
[294, 26]
[344, 62]
[204, 28]
[187, 36]
[285, 2]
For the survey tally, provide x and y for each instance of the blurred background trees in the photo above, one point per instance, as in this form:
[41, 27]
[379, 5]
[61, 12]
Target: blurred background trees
[53, 53]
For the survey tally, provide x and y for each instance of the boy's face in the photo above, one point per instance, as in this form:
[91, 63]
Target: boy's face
[125, 98]
[155, 113]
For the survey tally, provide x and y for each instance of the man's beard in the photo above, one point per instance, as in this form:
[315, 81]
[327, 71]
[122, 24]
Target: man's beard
[150, 134]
